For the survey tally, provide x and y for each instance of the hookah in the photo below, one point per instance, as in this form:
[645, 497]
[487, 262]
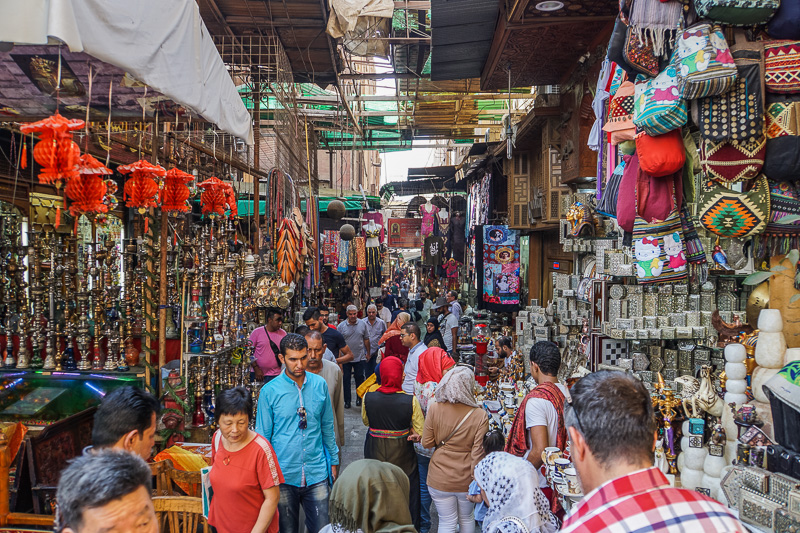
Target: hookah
[49, 338]
[83, 324]
[68, 288]
[97, 305]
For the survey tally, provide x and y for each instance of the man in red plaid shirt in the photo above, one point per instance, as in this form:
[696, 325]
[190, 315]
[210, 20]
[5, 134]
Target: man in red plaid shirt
[612, 430]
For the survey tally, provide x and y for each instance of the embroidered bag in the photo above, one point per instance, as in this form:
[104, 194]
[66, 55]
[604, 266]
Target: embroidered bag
[705, 64]
[729, 213]
[616, 47]
[737, 12]
[658, 248]
[656, 23]
[607, 205]
[695, 253]
[785, 24]
[731, 161]
[782, 66]
[662, 155]
[738, 114]
[658, 107]
[620, 115]
[639, 54]
[779, 237]
[782, 161]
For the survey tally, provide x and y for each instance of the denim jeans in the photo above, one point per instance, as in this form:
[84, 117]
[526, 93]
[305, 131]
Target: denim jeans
[425, 498]
[314, 500]
[350, 369]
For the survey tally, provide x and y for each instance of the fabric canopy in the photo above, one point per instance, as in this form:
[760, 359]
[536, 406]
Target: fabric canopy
[163, 44]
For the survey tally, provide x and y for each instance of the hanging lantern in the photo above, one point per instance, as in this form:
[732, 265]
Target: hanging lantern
[141, 190]
[232, 204]
[56, 152]
[175, 193]
[217, 197]
[87, 189]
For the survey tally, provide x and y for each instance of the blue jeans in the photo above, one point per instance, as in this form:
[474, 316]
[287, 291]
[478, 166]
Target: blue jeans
[314, 500]
[350, 369]
[425, 498]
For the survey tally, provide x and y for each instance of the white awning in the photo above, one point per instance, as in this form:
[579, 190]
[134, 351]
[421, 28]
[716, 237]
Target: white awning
[164, 44]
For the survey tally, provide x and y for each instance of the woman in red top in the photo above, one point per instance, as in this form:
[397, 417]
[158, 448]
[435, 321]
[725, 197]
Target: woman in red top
[245, 477]
[391, 339]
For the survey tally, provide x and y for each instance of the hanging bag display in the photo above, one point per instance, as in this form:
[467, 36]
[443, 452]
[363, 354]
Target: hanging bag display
[732, 161]
[782, 66]
[695, 253]
[737, 12]
[639, 54]
[658, 107]
[658, 247]
[620, 115]
[782, 161]
[780, 237]
[729, 213]
[662, 155]
[705, 64]
[607, 205]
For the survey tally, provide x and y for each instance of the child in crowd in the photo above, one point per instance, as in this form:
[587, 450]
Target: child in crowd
[493, 441]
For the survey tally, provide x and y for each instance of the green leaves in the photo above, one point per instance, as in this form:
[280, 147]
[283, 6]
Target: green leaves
[757, 277]
[794, 254]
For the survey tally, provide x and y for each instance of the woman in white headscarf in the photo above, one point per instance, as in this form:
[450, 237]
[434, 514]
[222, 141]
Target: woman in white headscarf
[510, 486]
[455, 425]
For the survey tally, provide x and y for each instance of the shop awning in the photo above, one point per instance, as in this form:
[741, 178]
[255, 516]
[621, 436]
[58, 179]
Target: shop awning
[351, 203]
[447, 171]
[162, 44]
[423, 186]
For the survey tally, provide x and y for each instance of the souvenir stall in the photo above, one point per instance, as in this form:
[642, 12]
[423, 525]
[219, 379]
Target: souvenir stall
[686, 252]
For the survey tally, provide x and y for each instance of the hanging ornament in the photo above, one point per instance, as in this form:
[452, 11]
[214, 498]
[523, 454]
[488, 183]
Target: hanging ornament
[88, 189]
[56, 152]
[217, 197]
[110, 199]
[141, 190]
[175, 193]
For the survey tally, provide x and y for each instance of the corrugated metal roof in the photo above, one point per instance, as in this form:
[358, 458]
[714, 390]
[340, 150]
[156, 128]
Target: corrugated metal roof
[461, 35]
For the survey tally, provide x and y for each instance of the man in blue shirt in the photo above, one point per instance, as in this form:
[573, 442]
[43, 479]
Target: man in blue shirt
[296, 416]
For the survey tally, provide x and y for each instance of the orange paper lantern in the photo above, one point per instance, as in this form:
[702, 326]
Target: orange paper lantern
[87, 190]
[175, 192]
[217, 196]
[141, 190]
[56, 152]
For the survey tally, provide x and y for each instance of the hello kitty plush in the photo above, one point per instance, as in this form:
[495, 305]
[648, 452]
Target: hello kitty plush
[674, 249]
[647, 252]
[664, 86]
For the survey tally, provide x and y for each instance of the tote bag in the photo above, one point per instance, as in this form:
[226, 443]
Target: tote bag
[729, 213]
[658, 107]
[659, 249]
[705, 64]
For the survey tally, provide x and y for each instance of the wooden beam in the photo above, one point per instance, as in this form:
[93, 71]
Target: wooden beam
[544, 22]
[499, 42]
[238, 20]
[379, 76]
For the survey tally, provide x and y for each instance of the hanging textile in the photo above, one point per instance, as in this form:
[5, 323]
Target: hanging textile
[344, 256]
[451, 268]
[433, 251]
[456, 238]
[373, 266]
[330, 249]
[499, 285]
[361, 253]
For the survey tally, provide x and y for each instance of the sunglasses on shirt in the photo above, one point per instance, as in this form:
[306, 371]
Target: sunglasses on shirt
[303, 421]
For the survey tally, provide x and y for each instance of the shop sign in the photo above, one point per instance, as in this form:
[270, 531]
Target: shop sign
[405, 233]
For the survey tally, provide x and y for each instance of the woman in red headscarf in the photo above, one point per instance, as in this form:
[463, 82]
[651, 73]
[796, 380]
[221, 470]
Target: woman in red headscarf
[395, 423]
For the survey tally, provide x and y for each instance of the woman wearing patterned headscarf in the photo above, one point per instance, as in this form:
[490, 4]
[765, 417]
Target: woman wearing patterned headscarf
[510, 485]
[370, 497]
[455, 425]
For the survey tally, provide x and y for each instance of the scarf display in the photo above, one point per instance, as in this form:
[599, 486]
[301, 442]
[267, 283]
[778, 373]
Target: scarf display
[457, 386]
[371, 496]
[516, 503]
[657, 23]
[391, 375]
[344, 256]
[500, 283]
[394, 329]
[432, 364]
[330, 250]
[361, 253]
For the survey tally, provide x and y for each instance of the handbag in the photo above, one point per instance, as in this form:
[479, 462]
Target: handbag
[620, 115]
[695, 253]
[616, 47]
[662, 155]
[780, 237]
[639, 54]
[608, 201]
[737, 12]
[785, 24]
[732, 161]
[782, 160]
[705, 64]
[658, 107]
[729, 213]
[626, 197]
[738, 114]
[658, 248]
[782, 66]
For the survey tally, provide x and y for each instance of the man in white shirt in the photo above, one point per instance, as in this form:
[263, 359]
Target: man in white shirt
[409, 336]
[383, 313]
[376, 328]
[455, 307]
[448, 325]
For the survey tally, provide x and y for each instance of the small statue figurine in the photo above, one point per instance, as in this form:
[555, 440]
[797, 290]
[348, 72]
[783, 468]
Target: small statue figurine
[720, 259]
[718, 435]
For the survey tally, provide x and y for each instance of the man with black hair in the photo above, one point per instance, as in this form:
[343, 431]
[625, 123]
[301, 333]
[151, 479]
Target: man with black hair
[108, 490]
[126, 420]
[409, 336]
[455, 307]
[266, 340]
[295, 415]
[539, 422]
[402, 307]
[613, 431]
[333, 339]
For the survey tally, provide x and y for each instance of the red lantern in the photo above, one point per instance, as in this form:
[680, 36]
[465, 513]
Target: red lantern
[87, 190]
[175, 192]
[56, 152]
[141, 190]
[217, 196]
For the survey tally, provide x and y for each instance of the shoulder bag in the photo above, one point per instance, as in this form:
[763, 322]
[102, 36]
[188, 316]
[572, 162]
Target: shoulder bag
[659, 250]
[662, 155]
[658, 106]
[729, 213]
[737, 12]
[639, 54]
[705, 64]
[732, 161]
[620, 115]
[782, 66]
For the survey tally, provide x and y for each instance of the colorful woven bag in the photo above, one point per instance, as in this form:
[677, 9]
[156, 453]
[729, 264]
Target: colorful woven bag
[782, 161]
[738, 114]
[779, 237]
[659, 250]
[607, 205]
[658, 107]
[782, 66]
[620, 115]
[737, 12]
[729, 213]
[705, 64]
[695, 253]
[733, 161]
[639, 54]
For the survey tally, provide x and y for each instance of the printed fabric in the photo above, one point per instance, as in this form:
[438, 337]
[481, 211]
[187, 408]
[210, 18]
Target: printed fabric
[361, 253]
[658, 107]
[344, 256]
[659, 251]
[331, 248]
[428, 220]
[729, 213]
[782, 158]
[433, 251]
[705, 64]
[737, 12]
[780, 237]
[501, 265]
[782, 66]
[695, 253]
[639, 54]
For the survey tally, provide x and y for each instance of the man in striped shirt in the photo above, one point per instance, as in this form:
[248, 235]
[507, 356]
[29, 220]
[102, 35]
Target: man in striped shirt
[612, 430]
